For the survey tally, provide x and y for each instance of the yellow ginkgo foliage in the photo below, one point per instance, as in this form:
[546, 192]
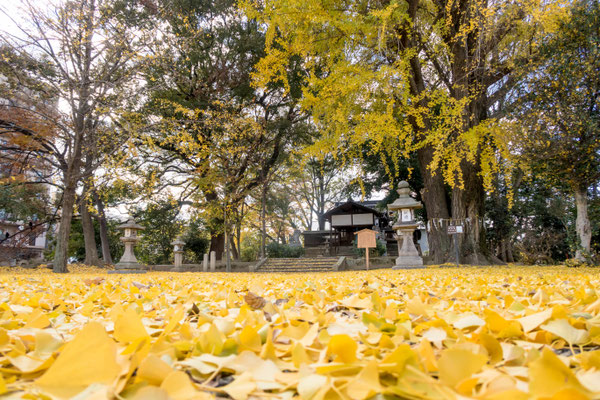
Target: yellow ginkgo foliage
[438, 333]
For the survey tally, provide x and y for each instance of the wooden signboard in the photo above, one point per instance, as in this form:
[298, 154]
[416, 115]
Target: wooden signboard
[366, 240]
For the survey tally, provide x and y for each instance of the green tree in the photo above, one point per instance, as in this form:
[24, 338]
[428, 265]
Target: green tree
[211, 131]
[559, 110]
[162, 225]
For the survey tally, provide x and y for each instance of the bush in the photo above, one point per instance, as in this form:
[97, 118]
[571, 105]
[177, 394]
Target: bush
[196, 243]
[574, 263]
[250, 247]
[249, 254]
[278, 250]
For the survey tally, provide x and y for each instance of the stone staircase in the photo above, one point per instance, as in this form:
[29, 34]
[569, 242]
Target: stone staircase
[317, 264]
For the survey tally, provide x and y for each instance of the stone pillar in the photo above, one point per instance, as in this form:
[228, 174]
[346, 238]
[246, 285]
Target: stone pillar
[213, 261]
[178, 259]
[205, 263]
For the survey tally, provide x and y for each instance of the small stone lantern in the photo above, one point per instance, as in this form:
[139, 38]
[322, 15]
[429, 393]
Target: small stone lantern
[130, 237]
[178, 253]
[405, 206]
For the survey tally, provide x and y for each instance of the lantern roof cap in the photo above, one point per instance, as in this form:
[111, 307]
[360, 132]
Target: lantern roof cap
[404, 200]
[177, 241]
[131, 224]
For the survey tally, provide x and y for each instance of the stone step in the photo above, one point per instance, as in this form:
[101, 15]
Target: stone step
[318, 264]
[293, 271]
[295, 268]
[300, 263]
[298, 266]
[304, 260]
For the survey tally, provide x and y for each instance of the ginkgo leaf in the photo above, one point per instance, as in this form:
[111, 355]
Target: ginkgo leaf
[250, 339]
[32, 362]
[179, 387]
[458, 364]
[468, 321]
[153, 370]
[344, 347]
[3, 388]
[566, 331]
[310, 385]
[46, 343]
[91, 357]
[241, 387]
[435, 335]
[129, 327]
[366, 384]
[532, 321]
[549, 375]
[151, 393]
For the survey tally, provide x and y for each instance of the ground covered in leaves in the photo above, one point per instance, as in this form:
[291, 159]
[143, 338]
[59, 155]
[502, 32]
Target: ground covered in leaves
[487, 333]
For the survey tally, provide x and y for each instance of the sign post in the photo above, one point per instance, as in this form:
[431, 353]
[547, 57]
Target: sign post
[454, 230]
[366, 240]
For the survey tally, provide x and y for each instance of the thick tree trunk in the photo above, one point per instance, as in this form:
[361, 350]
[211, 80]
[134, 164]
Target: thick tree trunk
[509, 252]
[104, 240]
[61, 253]
[321, 219]
[217, 243]
[582, 225]
[468, 208]
[89, 236]
[436, 206]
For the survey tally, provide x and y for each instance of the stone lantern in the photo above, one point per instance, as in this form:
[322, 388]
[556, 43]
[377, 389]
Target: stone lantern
[130, 237]
[178, 253]
[405, 225]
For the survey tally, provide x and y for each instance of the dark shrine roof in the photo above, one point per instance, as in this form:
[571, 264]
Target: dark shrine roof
[350, 207]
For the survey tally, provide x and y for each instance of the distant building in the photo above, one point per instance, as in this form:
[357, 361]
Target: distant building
[348, 217]
[27, 245]
[19, 239]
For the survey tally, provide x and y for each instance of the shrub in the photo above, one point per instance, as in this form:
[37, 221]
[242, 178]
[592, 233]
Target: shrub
[278, 250]
[573, 263]
[250, 247]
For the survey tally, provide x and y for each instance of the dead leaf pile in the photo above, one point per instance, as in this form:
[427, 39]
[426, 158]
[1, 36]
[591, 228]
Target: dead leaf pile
[485, 333]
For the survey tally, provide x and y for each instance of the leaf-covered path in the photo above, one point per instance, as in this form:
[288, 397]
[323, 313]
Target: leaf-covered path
[490, 333]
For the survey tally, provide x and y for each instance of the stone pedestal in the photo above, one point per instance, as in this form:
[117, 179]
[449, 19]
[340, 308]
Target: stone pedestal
[408, 256]
[128, 261]
[205, 263]
[178, 256]
[178, 244]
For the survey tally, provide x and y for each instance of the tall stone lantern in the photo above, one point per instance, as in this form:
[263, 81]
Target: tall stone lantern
[130, 237]
[178, 253]
[405, 225]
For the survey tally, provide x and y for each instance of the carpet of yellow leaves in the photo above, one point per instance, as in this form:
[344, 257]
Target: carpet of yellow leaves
[486, 333]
